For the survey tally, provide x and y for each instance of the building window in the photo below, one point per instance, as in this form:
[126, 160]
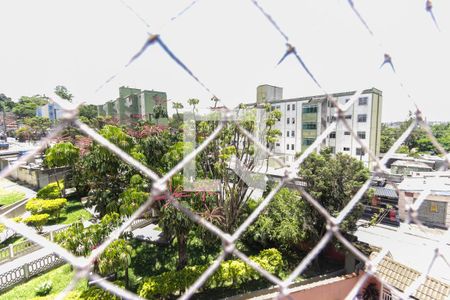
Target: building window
[362, 101]
[288, 107]
[277, 144]
[332, 149]
[292, 147]
[287, 120]
[362, 135]
[359, 151]
[293, 106]
[346, 149]
[309, 126]
[287, 146]
[362, 118]
[333, 118]
[293, 133]
[287, 133]
[309, 109]
[278, 107]
[348, 117]
[293, 120]
[333, 135]
[308, 141]
[346, 100]
[347, 133]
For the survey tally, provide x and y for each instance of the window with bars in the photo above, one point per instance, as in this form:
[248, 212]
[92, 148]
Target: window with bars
[363, 101]
[362, 118]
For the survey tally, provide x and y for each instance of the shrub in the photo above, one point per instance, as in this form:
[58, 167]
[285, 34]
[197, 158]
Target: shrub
[44, 288]
[37, 221]
[51, 190]
[52, 207]
[230, 273]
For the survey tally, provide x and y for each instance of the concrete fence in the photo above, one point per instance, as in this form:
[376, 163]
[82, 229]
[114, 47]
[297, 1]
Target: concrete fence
[28, 270]
[22, 248]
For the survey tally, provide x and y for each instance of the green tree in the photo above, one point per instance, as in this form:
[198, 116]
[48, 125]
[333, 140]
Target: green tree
[88, 111]
[332, 181]
[193, 102]
[63, 92]
[177, 106]
[117, 256]
[281, 224]
[6, 104]
[159, 112]
[26, 107]
[39, 126]
[104, 174]
[62, 154]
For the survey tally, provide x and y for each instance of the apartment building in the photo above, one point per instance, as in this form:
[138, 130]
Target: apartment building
[305, 118]
[134, 104]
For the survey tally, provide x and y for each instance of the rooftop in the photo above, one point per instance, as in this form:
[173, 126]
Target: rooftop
[401, 277]
[411, 163]
[438, 185]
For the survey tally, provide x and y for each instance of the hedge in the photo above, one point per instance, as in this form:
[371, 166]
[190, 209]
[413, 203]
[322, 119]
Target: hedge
[51, 190]
[230, 273]
[37, 221]
[52, 207]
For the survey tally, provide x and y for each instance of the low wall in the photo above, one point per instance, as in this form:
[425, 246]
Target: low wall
[28, 270]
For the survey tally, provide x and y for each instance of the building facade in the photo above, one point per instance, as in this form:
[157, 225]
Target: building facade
[50, 110]
[435, 209]
[305, 118]
[134, 104]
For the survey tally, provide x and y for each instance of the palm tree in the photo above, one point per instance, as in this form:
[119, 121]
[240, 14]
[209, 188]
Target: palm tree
[177, 106]
[193, 102]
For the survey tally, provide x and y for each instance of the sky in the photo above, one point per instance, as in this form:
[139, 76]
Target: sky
[231, 47]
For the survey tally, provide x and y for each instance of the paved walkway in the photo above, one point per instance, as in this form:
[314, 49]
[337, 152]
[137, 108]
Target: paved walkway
[410, 246]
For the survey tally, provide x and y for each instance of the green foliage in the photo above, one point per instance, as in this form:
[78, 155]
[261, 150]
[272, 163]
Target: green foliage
[81, 240]
[193, 102]
[26, 107]
[88, 111]
[63, 92]
[332, 181]
[44, 288]
[418, 142]
[6, 103]
[51, 190]
[52, 207]
[37, 221]
[281, 223]
[104, 174]
[37, 127]
[61, 154]
[117, 256]
[230, 273]
[133, 196]
[95, 293]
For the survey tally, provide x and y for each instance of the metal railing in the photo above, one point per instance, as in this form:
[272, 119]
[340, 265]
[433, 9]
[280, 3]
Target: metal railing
[83, 265]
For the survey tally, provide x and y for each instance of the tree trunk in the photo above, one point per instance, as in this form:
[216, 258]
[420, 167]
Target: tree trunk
[126, 277]
[61, 191]
[182, 251]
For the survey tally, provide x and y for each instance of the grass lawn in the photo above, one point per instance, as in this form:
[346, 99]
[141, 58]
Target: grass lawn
[73, 211]
[60, 278]
[9, 197]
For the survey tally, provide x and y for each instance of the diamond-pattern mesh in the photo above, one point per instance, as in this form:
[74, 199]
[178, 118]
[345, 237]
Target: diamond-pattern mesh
[83, 265]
